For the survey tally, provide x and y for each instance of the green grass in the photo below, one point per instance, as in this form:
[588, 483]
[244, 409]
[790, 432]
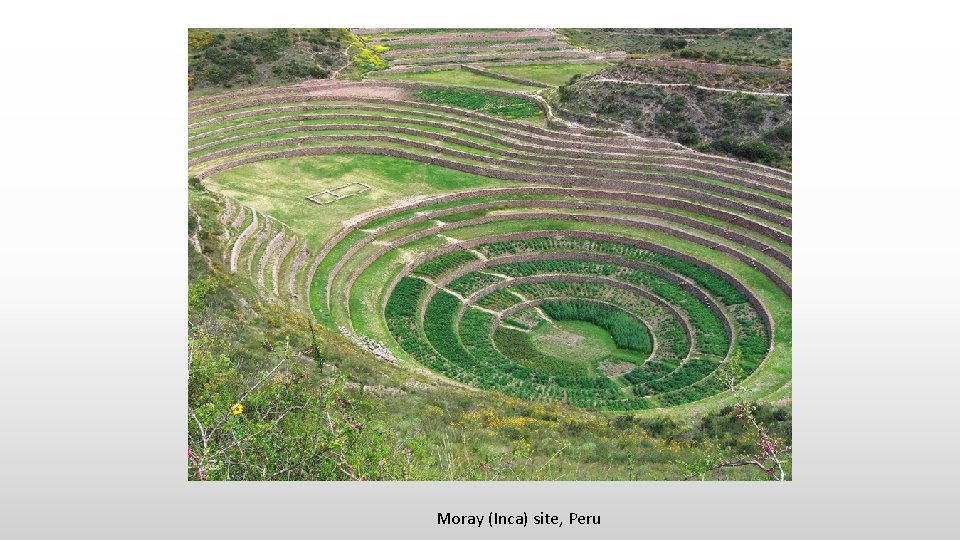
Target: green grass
[503, 106]
[627, 332]
[279, 187]
[521, 348]
[555, 74]
[453, 77]
[530, 167]
[580, 342]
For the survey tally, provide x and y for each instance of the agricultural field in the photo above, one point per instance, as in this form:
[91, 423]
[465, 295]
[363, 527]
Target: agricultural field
[497, 234]
[551, 74]
[427, 49]
[453, 77]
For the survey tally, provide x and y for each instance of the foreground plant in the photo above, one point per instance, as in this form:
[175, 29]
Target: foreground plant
[283, 421]
[770, 454]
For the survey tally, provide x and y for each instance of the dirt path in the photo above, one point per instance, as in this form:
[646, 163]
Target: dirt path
[707, 67]
[459, 296]
[478, 254]
[708, 88]
[581, 129]
[346, 55]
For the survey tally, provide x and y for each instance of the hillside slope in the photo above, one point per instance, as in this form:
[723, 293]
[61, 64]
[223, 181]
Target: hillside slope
[226, 58]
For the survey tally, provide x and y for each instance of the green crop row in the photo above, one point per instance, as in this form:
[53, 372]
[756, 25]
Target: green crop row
[489, 367]
[472, 282]
[438, 266]
[627, 332]
[689, 373]
[443, 352]
[703, 277]
[498, 300]
[497, 105]
[710, 331]
[508, 361]
[672, 340]
[517, 345]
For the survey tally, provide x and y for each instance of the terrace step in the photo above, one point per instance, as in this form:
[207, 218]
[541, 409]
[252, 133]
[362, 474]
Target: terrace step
[241, 240]
[724, 224]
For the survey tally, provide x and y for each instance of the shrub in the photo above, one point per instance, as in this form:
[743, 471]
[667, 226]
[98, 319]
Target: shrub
[688, 139]
[675, 103]
[726, 57]
[266, 48]
[744, 32]
[782, 133]
[226, 66]
[753, 150]
[673, 44]
[299, 70]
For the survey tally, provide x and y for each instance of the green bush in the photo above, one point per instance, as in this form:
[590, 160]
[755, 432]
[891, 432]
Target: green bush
[267, 48]
[256, 56]
[299, 70]
[673, 44]
[675, 103]
[727, 57]
[753, 150]
[782, 133]
[226, 66]
[744, 32]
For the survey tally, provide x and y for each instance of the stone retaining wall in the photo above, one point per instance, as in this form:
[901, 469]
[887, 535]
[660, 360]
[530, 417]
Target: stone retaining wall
[557, 164]
[238, 245]
[502, 77]
[507, 175]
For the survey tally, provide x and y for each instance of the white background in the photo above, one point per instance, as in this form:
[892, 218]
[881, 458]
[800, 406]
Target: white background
[93, 268]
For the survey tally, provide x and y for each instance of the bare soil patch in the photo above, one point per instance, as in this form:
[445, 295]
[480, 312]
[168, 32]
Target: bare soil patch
[361, 90]
[566, 338]
[615, 369]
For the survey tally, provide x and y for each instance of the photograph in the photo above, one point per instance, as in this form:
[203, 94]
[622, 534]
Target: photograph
[489, 254]
[505, 270]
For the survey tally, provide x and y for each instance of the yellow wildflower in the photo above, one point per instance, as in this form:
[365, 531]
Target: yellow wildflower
[237, 409]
